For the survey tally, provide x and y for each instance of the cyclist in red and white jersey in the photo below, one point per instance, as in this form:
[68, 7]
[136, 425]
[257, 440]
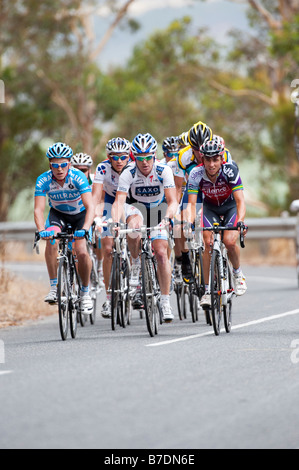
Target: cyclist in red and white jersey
[222, 194]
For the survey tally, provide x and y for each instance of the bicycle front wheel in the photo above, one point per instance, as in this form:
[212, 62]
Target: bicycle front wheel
[115, 292]
[149, 301]
[215, 287]
[228, 309]
[63, 298]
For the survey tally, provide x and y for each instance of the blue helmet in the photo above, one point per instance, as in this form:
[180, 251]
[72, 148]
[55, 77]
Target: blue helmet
[59, 150]
[144, 143]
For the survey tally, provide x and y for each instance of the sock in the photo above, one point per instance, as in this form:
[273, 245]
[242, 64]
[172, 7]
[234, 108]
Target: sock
[178, 259]
[108, 297]
[136, 261]
[237, 271]
[53, 283]
[84, 290]
[164, 299]
[207, 287]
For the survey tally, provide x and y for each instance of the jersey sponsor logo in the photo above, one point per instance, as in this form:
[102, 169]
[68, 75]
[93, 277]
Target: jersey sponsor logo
[228, 171]
[147, 191]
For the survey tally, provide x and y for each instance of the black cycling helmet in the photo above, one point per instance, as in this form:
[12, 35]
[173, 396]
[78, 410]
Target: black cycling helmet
[198, 134]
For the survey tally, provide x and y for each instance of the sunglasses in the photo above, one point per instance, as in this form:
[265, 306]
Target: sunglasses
[59, 165]
[115, 158]
[173, 154]
[145, 159]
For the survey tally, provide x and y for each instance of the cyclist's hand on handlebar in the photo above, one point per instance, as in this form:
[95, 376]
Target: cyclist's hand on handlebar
[188, 228]
[79, 234]
[46, 234]
[241, 226]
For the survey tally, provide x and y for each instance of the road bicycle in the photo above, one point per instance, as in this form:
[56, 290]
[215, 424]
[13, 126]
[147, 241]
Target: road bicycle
[150, 287]
[121, 309]
[221, 278]
[94, 284]
[68, 283]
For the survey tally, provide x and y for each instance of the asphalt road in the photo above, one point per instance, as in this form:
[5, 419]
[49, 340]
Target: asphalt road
[183, 389]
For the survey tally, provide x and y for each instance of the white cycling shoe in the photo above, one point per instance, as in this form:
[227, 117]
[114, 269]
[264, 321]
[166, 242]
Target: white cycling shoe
[106, 309]
[205, 301]
[86, 305]
[167, 314]
[51, 298]
[240, 284]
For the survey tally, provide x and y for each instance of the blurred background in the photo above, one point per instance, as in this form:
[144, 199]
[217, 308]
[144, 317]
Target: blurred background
[83, 71]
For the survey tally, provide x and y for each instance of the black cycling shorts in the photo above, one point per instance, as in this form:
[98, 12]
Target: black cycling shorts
[214, 214]
[61, 220]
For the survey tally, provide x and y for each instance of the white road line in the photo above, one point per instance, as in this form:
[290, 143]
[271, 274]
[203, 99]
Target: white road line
[236, 327]
[5, 372]
[273, 280]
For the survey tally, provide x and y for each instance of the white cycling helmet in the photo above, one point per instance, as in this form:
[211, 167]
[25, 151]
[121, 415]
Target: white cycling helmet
[144, 143]
[118, 145]
[82, 159]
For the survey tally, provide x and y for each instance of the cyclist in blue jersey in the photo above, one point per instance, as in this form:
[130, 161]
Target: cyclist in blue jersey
[150, 184]
[70, 202]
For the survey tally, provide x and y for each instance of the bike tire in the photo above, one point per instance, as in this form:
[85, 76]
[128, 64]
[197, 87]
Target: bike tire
[148, 294]
[115, 291]
[228, 309]
[93, 291]
[63, 298]
[215, 288]
[178, 289]
[74, 301]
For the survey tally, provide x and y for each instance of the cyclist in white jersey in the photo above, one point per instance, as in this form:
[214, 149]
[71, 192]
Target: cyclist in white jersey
[71, 203]
[105, 186]
[150, 184]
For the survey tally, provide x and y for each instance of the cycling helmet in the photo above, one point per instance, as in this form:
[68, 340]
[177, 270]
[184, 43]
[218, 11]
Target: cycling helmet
[212, 148]
[170, 144]
[198, 134]
[59, 150]
[82, 159]
[118, 145]
[144, 143]
[219, 138]
[183, 139]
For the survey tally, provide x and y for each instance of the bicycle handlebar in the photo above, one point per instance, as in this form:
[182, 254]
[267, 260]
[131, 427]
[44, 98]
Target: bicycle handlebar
[218, 229]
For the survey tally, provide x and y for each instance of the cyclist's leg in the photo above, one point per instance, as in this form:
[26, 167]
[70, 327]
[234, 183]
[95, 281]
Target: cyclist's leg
[160, 246]
[230, 240]
[54, 224]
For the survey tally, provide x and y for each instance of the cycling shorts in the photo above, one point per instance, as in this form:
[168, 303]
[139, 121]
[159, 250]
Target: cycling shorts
[61, 220]
[213, 214]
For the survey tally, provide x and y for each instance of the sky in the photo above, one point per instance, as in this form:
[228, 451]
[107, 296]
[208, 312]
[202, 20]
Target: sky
[219, 16]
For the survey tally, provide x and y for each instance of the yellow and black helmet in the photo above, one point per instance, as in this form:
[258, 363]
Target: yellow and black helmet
[198, 134]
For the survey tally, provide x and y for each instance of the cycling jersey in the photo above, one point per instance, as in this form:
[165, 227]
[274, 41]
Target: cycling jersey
[67, 198]
[220, 192]
[149, 190]
[108, 177]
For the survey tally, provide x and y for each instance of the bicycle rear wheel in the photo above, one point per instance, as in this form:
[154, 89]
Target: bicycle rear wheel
[93, 289]
[150, 306]
[216, 306]
[63, 298]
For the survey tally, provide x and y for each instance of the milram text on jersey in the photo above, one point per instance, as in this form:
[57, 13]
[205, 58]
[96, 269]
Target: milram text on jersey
[228, 181]
[67, 198]
[146, 189]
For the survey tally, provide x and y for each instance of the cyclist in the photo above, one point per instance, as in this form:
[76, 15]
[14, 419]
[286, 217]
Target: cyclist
[71, 203]
[105, 185]
[222, 189]
[84, 162]
[149, 183]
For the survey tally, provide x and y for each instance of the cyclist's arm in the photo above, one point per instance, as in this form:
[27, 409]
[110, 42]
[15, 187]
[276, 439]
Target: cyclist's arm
[97, 195]
[39, 209]
[241, 207]
[89, 206]
[191, 208]
[172, 203]
[179, 185]
[117, 211]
